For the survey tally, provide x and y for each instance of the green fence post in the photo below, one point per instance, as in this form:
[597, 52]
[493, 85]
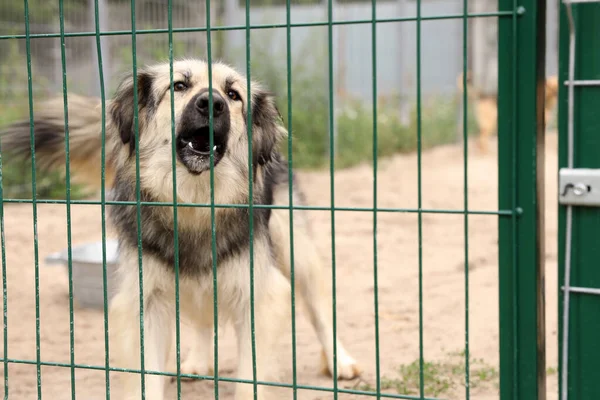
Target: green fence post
[521, 83]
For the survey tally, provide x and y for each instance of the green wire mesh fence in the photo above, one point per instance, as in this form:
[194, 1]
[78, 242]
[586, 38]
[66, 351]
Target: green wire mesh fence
[519, 24]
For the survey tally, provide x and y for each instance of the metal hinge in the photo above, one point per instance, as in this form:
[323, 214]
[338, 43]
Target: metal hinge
[579, 187]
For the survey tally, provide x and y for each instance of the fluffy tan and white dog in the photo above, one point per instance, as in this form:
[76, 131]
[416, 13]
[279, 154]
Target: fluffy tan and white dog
[271, 244]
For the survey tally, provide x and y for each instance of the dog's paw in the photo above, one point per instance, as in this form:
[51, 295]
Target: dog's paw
[193, 367]
[347, 367]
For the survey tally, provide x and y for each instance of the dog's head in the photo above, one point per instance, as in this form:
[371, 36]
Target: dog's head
[192, 112]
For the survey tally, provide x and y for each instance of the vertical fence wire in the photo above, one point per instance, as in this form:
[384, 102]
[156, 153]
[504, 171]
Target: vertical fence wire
[33, 203]
[138, 194]
[175, 219]
[211, 140]
[103, 197]
[4, 280]
[420, 203]
[375, 266]
[515, 221]
[288, 31]
[564, 367]
[251, 199]
[466, 192]
[334, 373]
[61, 10]
[4, 285]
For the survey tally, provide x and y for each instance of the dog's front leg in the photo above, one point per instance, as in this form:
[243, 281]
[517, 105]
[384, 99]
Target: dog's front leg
[200, 358]
[311, 282]
[271, 311]
[125, 325]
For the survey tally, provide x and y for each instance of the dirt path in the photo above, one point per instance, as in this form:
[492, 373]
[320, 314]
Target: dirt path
[442, 270]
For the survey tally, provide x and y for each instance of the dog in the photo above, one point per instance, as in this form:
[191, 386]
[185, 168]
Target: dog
[231, 172]
[486, 108]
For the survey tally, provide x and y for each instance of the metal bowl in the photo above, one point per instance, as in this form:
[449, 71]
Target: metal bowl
[87, 263]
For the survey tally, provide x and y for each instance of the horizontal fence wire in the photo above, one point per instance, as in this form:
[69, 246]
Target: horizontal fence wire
[504, 212]
[266, 26]
[211, 378]
[332, 209]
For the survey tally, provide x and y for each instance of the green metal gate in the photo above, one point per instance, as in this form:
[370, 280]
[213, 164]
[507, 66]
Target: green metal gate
[521, 161]
[579, 225]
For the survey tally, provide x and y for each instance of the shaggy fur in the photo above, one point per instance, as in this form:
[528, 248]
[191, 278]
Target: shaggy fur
[231, 186]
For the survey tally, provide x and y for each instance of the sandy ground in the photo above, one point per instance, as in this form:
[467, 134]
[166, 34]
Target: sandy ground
[443, 281]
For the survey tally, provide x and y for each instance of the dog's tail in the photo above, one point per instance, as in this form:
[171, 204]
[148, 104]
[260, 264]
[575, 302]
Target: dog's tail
[85, 139]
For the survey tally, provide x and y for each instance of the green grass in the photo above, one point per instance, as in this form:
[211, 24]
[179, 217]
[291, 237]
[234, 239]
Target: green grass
[355, 130]
[434, 376]
[439, 377]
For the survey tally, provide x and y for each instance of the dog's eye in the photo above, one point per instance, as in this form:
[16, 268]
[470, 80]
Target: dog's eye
[233, 95]
[179, 86]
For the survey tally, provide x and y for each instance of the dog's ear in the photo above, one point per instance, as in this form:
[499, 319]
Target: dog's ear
[270, 132]
[121, 109]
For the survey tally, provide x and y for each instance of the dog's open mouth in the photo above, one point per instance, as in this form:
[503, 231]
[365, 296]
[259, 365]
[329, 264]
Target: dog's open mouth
[194, 150]
[199, 142]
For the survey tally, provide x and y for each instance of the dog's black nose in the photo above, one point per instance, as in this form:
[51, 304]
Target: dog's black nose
[219, 105]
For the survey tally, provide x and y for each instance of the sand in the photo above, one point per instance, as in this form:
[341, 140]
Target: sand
[443, 284]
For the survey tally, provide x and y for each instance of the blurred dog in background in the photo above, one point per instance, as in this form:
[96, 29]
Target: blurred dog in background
[486, 108]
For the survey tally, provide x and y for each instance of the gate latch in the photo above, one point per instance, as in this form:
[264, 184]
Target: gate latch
[579, 187]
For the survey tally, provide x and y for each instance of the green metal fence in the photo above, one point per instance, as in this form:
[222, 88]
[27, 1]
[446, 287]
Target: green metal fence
[520, 128]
